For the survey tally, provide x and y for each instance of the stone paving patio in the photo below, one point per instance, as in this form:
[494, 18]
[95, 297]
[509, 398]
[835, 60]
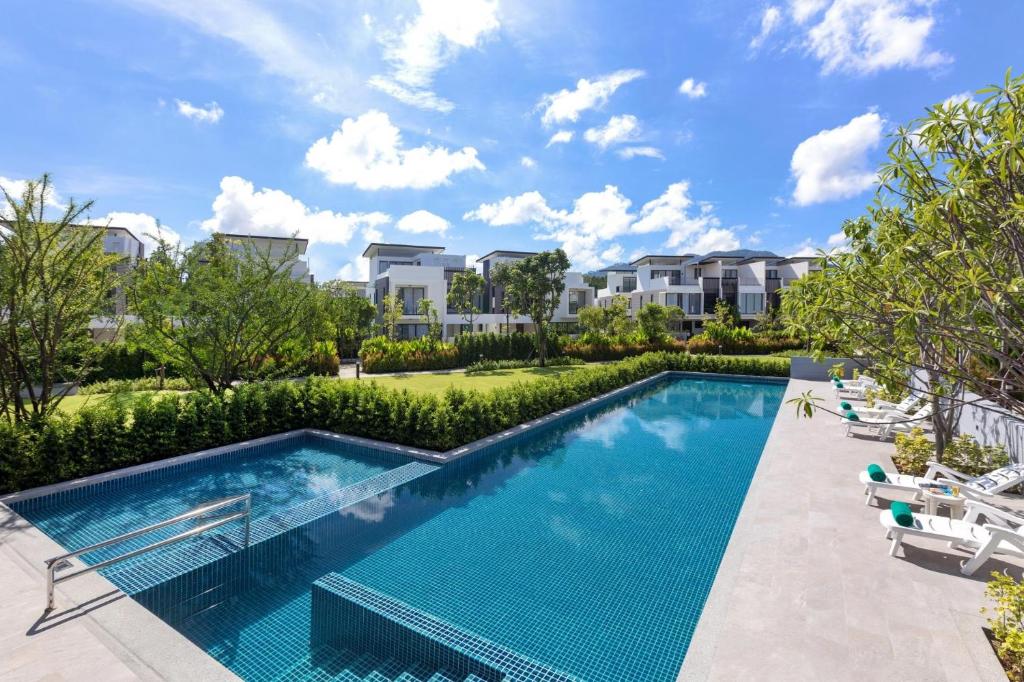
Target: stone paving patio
[807, 590]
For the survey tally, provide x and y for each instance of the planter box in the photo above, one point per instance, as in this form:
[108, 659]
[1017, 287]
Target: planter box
[807, 368]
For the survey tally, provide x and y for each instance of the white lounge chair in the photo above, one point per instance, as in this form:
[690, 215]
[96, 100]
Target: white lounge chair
[1001, 535]
[856, 390]
[880, 409]
[890, 423]
[977, 487]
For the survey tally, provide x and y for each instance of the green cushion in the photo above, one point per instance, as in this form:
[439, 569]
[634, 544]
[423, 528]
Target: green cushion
[845, 406]
[876, 473]
[839, 384]
[835, 380]
[901, 512]
[852, 416]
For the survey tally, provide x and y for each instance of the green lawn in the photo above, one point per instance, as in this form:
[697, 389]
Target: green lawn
[73, 403]
[482, 381]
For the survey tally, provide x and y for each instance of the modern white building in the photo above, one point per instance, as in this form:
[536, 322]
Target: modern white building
[118, 241]
[749, 280]
[414, 272]
[275, 247]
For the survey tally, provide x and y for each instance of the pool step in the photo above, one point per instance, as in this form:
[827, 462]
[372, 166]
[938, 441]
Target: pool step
[327, 664]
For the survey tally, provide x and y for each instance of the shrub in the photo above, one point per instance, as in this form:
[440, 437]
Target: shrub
[614, 350]
[103, 437]
[493, 365]
[125, 385]
[742, 344]
[489, 346]
[963, 453]
[380, 354]
[1007, 622]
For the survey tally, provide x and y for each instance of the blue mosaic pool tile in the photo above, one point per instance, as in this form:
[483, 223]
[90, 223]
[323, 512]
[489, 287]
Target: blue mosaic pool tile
[347, 612]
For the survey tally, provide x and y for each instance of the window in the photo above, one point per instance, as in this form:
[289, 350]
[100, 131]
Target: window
[772, 274]
[673, 276]
[411, 331]
[628, 283]
[577, 299]
[696, 273]
[751, 304]
[411, 297]
[730, 273]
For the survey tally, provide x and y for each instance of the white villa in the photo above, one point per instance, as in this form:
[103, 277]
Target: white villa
[415, 272]
[749, 280]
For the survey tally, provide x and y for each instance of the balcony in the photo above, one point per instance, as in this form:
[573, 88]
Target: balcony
[750, 282]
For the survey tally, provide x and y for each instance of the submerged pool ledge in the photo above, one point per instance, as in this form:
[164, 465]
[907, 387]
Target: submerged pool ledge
[345, 611]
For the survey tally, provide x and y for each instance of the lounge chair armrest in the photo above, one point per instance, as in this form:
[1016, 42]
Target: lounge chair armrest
[998, 517]
[1005, 535]
[935, 468]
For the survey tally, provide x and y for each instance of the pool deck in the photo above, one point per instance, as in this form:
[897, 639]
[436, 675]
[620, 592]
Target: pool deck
[807, 589]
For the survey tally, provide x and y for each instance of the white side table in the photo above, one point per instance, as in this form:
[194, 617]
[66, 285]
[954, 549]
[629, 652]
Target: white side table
[934, 500]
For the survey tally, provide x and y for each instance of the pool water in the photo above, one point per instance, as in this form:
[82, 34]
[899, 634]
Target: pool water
[278, 477]
[589, 545]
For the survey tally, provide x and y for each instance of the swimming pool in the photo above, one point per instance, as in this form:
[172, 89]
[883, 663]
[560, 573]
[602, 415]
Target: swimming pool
[588, 546]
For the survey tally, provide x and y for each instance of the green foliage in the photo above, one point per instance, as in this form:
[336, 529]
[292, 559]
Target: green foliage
[606, 325]
[431, 318]
[1007, 622]
[495, 365]
[537, 283]
[617, 350]
[101, 438]
[717, 338]
[963, 453]
[54, 278]
[464, 294]
[380, 354]
[653, 320]
[222, 310]
[348, 316]
[726, 314]
[474, 347]
[127, 385]
[390, 317]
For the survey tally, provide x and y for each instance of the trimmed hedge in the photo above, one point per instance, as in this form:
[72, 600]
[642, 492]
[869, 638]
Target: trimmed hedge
[415, 355]
[101, 438]
[601, 352]
[758, 345]
[495, 365]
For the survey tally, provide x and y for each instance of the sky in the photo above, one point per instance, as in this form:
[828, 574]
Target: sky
[610, 129]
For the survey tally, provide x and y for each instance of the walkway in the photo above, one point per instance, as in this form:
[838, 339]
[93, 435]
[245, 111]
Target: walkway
[807, 590]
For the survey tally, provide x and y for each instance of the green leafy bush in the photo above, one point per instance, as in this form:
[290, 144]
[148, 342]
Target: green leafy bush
[103, 437]
[474, 347]
[1007, 622]
[744, 342]
[963, 453]
[125, 385]
[380, 354]
[616, 350]
[493, 365]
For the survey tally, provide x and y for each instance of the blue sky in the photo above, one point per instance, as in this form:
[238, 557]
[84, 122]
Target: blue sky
[611, 129]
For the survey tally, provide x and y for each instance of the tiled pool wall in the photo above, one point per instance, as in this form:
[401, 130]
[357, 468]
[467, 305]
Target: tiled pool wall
[349, 614]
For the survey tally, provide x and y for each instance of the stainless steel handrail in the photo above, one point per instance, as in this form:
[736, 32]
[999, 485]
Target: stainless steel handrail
[195, 513]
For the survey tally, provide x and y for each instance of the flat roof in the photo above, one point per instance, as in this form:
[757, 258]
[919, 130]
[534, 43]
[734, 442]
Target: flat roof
[505, 253]
[653, 255]
[375, 246]
[619, 267]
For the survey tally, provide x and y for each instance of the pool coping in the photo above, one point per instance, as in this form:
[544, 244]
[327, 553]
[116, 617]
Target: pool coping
[151, 647]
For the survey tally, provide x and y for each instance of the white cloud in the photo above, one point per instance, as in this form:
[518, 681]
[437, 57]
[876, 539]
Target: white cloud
[143, 226]
[430, 41]
[693, 89]
[865, 36]
[633, 152]
[421, 222]
[241, 209]
[16, 188]
[527, 162]
[833, 164]
[371, 234]
[802, 10]
[804, 249]
[769, 22]
[588, 232]
[211, 113]
[624, 128]
[325, 74]
[837, 239]
[368, 152]
[958, 98]
[566, 105]
[561, 137]
[530, 207]
[356, 270]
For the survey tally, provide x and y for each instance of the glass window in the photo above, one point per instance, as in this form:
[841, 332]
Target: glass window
[411, 297]
[628, 283]
[576, 300]
[729, 273]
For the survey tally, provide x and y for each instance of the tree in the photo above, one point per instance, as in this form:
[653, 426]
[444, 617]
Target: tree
[349, 315]
[596, 280]
[466, 288]
[603, 324]
[501, 276]
[54, 278]
[216, 312]
[726, 314]
[539, 281]
[393, 311]
[428, 311]
[653, 320]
